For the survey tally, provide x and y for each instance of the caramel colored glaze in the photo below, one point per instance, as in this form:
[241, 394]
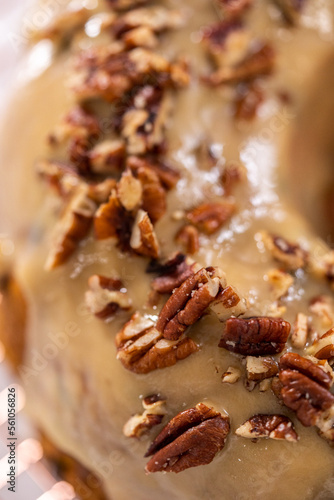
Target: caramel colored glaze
[78, 393]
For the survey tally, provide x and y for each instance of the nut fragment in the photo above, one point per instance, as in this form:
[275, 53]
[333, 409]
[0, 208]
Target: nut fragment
[140, 424]
[231, 376]
[260, 368]
[191, 438]
[189, 302]
[247, 101]
[72, 227]
[300, 331]
[62, 26]
[268, 426]
[173, 273]
[107, 157]
[232, 175]
[291, 255]
[143, 239]
[255, 336]
[324, 347]
[168, 175]
[322, 306]
[290, 9]
[106, 296]
[229, 302]
[142, 349]
[280, 282]
[153, 193]
[323, 266]
[209, 217]
[188, 237]
[129, 191]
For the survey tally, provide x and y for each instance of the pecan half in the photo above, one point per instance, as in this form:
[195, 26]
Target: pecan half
[305, 388]
[173, 273]
[255, 336]
[141, 348]
[188, 237]
[143, 239]
[189, 302]
[209, 217]
[323, 348]
[268, 426]
[140, 424]
[106, 296]
[259, 368]
[72, 227]
[168, 175]
[291, 255]
[191, 438]
[300, 331]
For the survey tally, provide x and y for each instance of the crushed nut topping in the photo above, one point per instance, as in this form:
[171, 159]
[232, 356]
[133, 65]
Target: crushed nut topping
[72, 227]
[140, 424]
[280, 282]
[268, 426]
[290, 9]
[290, 255]
[62, 177]
[305, 389]
[142, 349]
[106, 296]
[168, 176]
[191, 438]
[173, 273]
[143, 239]
[323, 348]
[231, 376]
[322, 307]
[260, 368]
[107, 157]
[153, 193]
[188, 237]
[258, 336]
[210, 217]
[189, 302]
[300, 331]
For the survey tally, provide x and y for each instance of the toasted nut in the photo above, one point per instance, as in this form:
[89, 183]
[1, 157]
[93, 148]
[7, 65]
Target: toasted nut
[265, 384]
[140, 37]
[153, 194]
[155, 18]
[227, 42]
[260, 368]
[191, 438]
[324, 347]
[142, 349]
[232, 175]
[72, 228]
[291, 255]
[323, 267]
[322, 306]
[268, 426]
[188, 237]
[229, 302]
[231, 376]
[189, 302]
[255, 336]
[129, 191]
[63, 25]
[106, 296]
[107, 156]
[290, 10]
[209, 217]
[247, 101]
[173, 273]
[143, 239]
[141, 424]
[280, 282]
[233, 8]
[101, 191]
[61, 176]
[300, 331]
[308, 367]
[168, 176]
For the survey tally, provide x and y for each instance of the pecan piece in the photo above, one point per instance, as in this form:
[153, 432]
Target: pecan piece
[291, 255]
[280, 282]
[107, 157]
[300, 331]
[191, 438]
[189, 302]
[260, 368]
[140, 424]
[290, 9]
[322, 306]
[232, 175]
[62, 177]
[231, 376]
[305, 389]
[268, 426]
[173, 273]
[141, 348]
[168, 175]
[143, 239]
[72, 227]
[129, 191]
[323, 266]
[229, 302]
[247, 101]
[255, 336]
[62, 26]
[188, 237]
[106, 296]
[209, 217]
[323, 348]
[153, 193]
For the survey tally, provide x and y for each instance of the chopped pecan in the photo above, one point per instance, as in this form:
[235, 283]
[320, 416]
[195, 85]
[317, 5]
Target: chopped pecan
[140, 37]
[72, 227]
[323, 348]
[188, 237]
[233, 8]
[323, 266]
[322, 306]
[290, 9]
[63, 25]
[63, 177]
[100, 191]
[248, 98]
[191, 438]
[142, 349]
[153, 193]
[143, 238]
[280, 282]
[255, 336]
[189, 302]
[231, 376]
[168, 175]
[107, 157]
[226, 41]
[233, 174]
[300, 331]
[260, 368]
[106, 296]
[229, 302]
[129, 191]
[173, 273]
[209, 217]
[305, 389]
[291, 255]
[140, 424]
[268, 426]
